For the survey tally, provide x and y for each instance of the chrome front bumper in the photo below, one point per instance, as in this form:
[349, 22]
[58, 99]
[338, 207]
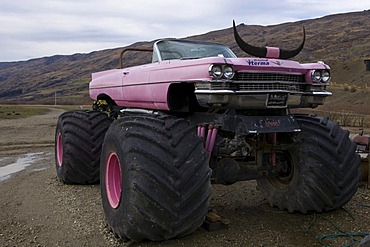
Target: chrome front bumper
[260, 99]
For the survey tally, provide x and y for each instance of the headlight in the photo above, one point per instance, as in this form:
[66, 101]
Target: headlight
[218, 71]
[325, 76]
[319, 75]
[316, 76]
[215, 71]
[228, 72]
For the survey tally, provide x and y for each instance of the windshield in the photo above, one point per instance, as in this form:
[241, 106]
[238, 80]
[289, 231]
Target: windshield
[183, 49]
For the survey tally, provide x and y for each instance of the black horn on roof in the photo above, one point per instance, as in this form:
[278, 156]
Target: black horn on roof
[269, 52]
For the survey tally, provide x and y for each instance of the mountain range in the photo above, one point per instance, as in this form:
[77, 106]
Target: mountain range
[341, 40]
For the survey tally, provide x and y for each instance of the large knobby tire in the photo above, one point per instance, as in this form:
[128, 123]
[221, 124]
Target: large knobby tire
[79, 137]
[323, 169]
[155, 178]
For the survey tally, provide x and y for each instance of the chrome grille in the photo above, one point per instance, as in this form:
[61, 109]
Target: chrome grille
[257, 86]
[244, 76]
[270, 86]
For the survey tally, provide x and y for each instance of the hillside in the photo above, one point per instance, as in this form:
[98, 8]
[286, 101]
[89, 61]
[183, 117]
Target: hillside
[341, 40]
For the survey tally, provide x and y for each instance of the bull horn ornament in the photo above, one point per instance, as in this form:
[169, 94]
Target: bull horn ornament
[266, 51]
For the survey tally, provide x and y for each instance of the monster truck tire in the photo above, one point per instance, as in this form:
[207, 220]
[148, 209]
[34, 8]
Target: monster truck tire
[324, 172]
[79, 137]
[155, 178]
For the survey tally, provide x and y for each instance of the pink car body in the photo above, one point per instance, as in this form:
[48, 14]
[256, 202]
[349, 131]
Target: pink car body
[149, 86]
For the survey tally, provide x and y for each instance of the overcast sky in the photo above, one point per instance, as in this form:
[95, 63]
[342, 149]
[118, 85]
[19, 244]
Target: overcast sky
[37, 28]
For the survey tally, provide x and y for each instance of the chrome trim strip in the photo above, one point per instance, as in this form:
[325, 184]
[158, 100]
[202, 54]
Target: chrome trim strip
[205, 91]
[202, 91]
[322, 93]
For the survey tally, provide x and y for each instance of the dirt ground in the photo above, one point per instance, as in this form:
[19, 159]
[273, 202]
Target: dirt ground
[36, 209]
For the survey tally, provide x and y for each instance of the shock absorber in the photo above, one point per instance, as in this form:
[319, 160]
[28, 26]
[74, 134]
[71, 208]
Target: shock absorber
[210, 137]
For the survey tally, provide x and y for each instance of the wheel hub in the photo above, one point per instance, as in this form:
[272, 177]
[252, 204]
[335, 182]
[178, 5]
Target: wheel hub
[113, 180]
[285, 171]
[59, 149]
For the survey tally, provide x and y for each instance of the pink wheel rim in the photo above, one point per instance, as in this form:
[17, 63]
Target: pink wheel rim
[59, 149]
[113, 180]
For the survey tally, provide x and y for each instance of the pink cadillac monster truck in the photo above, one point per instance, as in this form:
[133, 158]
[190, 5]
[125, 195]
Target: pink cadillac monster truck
[161, 133]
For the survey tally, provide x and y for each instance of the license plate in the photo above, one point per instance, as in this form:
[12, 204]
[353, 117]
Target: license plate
[277, 100]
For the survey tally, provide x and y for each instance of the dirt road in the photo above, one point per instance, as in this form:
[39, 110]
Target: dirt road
[36, 209]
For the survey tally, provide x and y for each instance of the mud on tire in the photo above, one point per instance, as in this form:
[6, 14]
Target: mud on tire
[163, 187]
[324, 173]
[79, 137]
